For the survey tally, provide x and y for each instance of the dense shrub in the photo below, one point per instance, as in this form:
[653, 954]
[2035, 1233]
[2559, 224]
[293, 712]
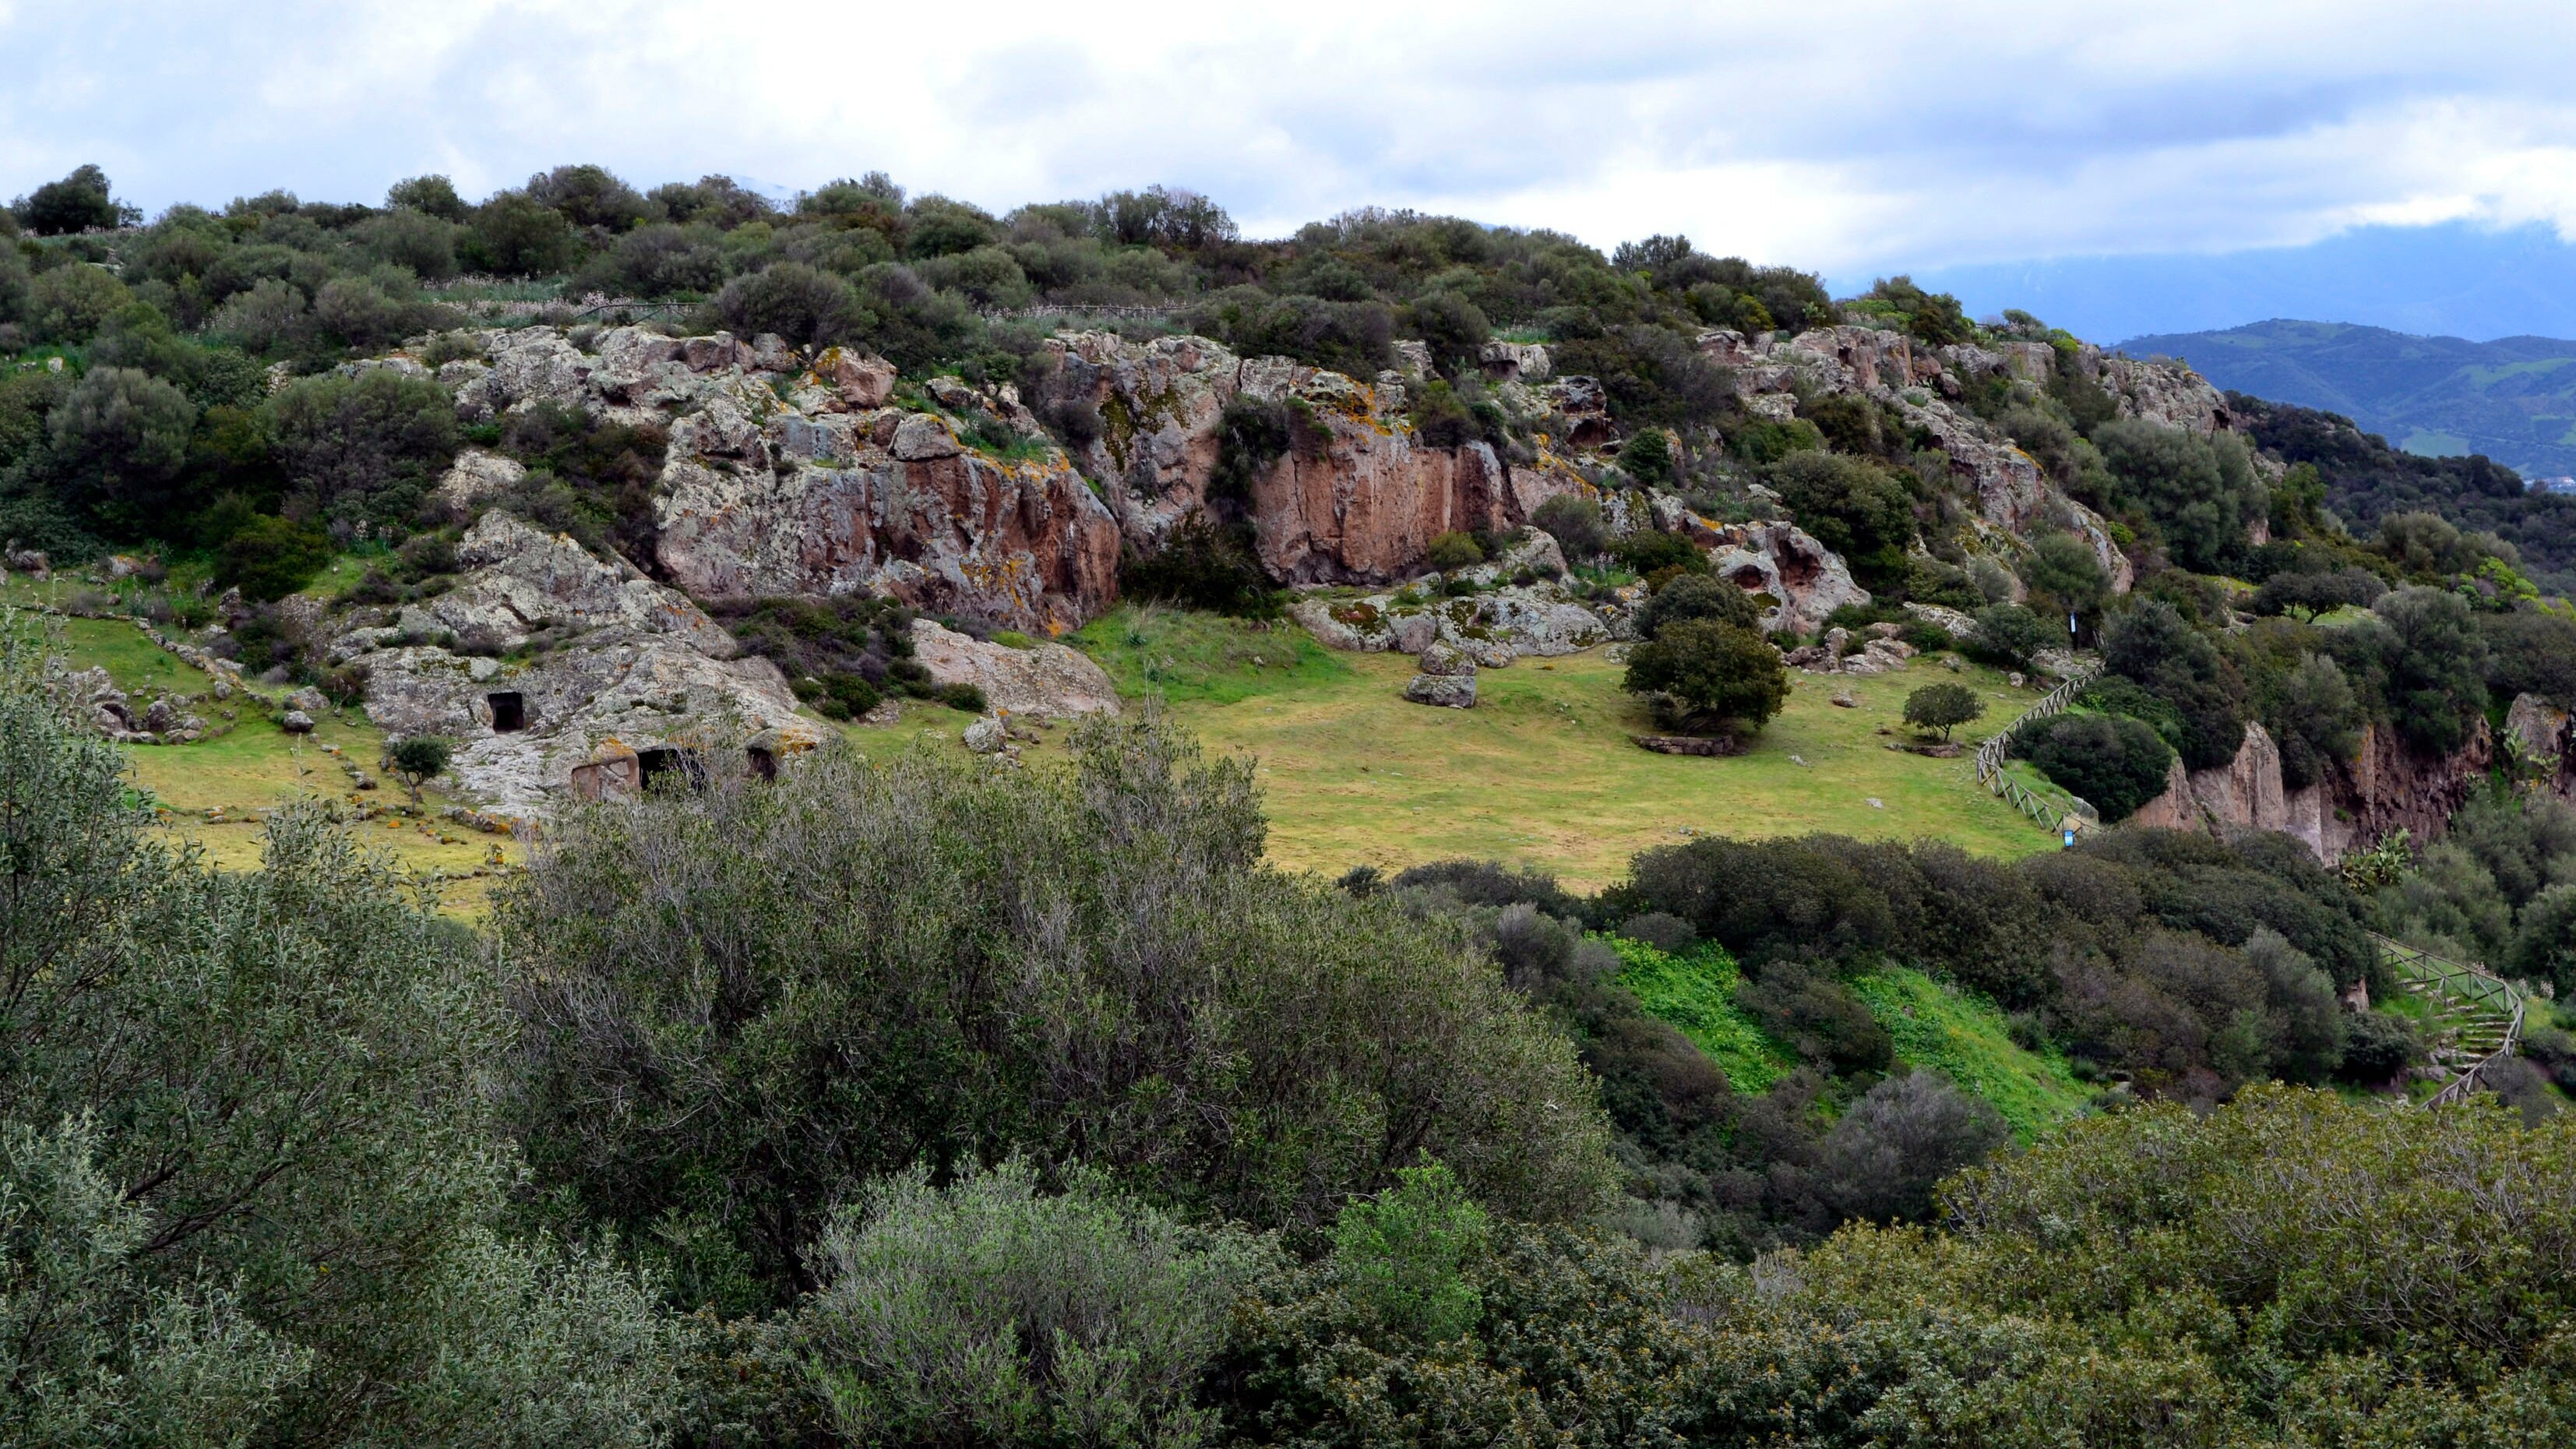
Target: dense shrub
[118, 441]
[69, 302]
[2113, 763]
[516, 235]
[806, 306]
[363, 448]
[1853, 507]
[949, 1021]
[1906, 1133]
[2011, 634]
[1426, 1324]
[266, 1073]
[1695, 596]
[2201, 492]
[2064, 577]
[2313, 594]
[2530, 652]
[1575, 523]
[1453, 551]
[270, 557]
[2151, 644]
[2313, 714]
[1650, 551]
[987, 1312]
[1203, 564]
[1648, 458]
[1822, 1019]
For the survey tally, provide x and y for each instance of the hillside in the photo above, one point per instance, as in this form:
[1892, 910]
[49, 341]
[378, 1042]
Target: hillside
[2512, 399]
[1070, 828]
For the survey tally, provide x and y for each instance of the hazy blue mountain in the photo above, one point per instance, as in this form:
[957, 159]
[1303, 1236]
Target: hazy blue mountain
[2456, 279]
[2513, 399]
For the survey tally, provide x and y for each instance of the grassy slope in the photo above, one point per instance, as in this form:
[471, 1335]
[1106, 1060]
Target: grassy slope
[1959, 1036]
[1541, 772]
[1965, 1040]
[1695, 994]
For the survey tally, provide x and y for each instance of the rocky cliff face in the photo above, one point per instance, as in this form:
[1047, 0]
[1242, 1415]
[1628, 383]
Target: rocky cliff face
[1358, 496]
[783, 478]
[2386, 787]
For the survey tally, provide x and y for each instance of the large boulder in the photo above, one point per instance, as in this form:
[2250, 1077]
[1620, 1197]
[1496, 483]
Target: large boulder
[1048, 680]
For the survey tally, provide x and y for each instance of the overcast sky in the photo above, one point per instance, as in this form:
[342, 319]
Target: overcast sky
[1846, 137]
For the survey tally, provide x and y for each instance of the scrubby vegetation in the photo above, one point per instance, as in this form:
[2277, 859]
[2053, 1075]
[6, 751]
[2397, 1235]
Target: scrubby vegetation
[902, 1098]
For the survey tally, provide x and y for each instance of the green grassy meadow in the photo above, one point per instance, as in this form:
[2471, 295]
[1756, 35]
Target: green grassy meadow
[1542, 771]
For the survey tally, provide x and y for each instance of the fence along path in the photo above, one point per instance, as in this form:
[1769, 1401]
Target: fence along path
[2483, 1010]
[1990, 755]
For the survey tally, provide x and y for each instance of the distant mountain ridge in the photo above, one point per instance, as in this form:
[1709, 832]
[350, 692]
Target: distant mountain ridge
[2513, 399]
[2456, 279]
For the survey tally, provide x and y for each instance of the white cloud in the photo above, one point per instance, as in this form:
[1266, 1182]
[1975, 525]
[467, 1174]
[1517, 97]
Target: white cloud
[1845, 135]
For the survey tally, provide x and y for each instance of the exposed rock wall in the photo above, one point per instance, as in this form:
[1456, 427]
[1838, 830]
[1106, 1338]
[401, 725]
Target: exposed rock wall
[1357, 498]
[782, 478]
[2387, 786]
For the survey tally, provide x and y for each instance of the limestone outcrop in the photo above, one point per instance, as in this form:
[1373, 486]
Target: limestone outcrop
[622, 662]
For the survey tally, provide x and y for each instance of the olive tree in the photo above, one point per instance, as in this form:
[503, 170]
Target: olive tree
[1942, 707]
[1705, 675]
[284, 1077]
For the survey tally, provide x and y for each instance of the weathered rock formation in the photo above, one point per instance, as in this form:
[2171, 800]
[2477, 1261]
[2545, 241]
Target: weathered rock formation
[631, 666]
[1356, 498]
[782, 478]
[1493, 625]
[2387, 786]
[2014, 497]
[1048, 680]
[1447, 679]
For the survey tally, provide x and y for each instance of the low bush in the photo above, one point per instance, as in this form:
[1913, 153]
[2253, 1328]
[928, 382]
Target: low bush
[1203, 564]
[1575, 523]
[2010, 635]
[272, 557]
[987, 1311]
[1453, 551]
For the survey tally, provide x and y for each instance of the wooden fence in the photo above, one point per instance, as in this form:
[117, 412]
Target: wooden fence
[2486, 1008]
[1991, 754]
